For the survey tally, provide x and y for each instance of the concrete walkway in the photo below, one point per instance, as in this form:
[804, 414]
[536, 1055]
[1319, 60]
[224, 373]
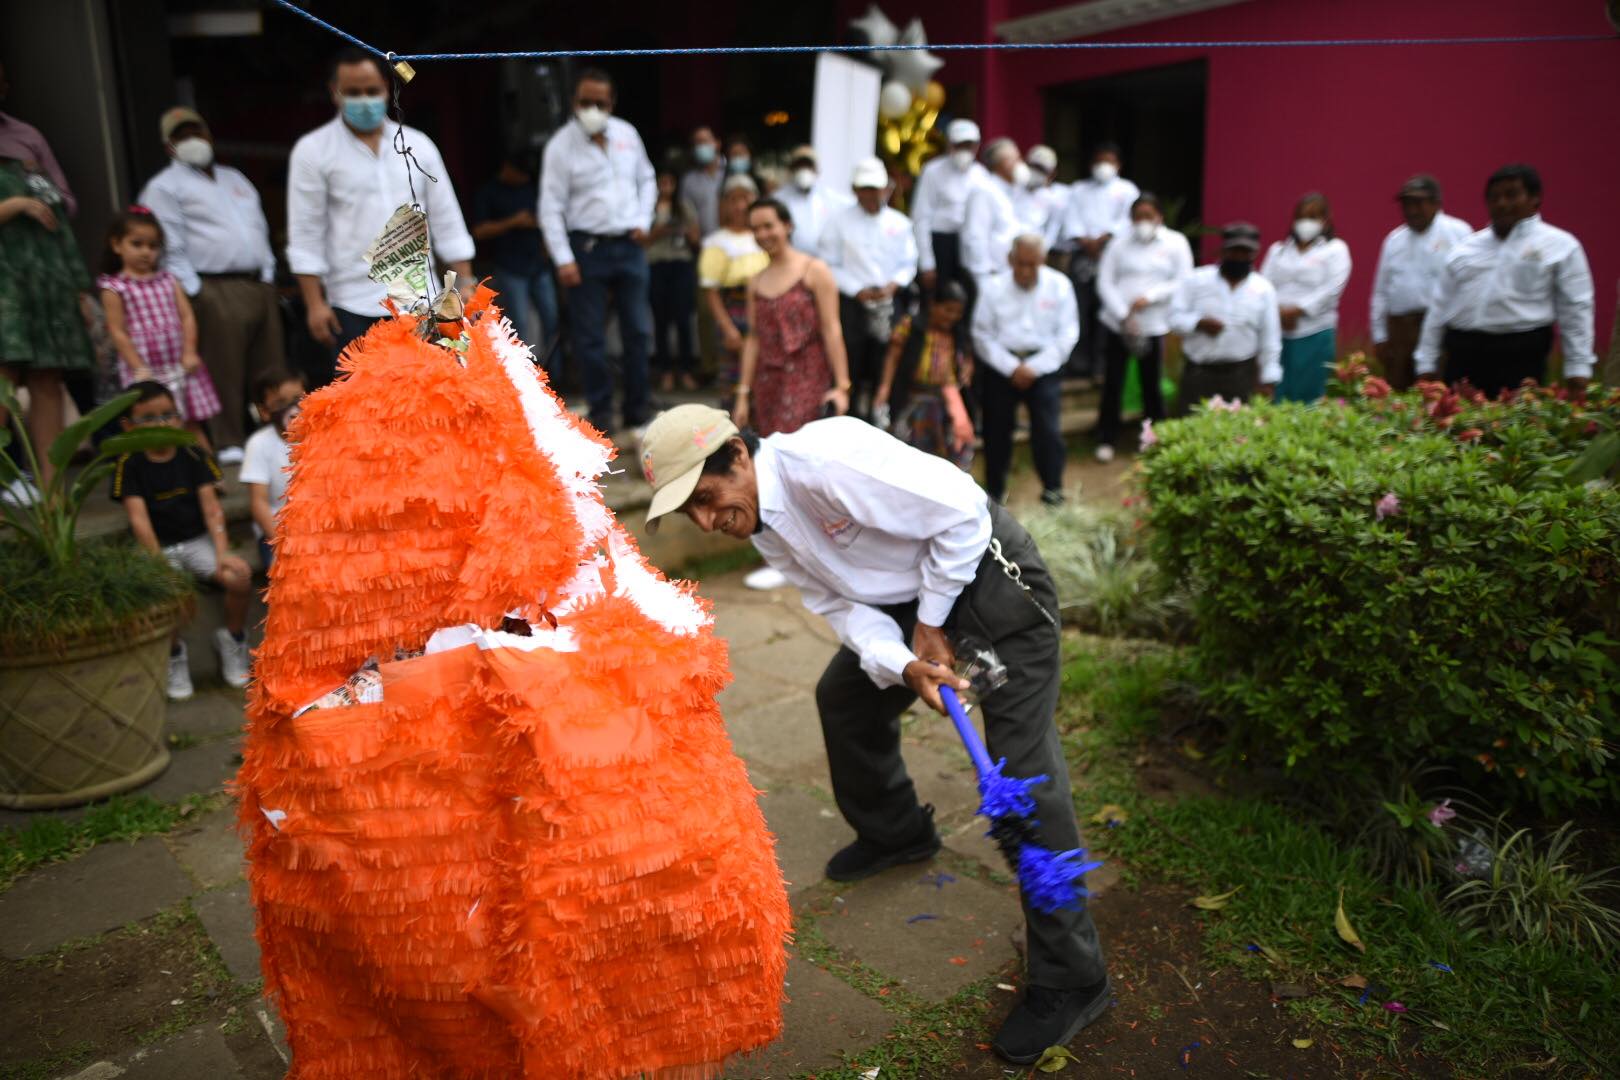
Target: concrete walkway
[778, 651]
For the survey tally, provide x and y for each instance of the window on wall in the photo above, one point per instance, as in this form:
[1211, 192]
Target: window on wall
[1156, 115]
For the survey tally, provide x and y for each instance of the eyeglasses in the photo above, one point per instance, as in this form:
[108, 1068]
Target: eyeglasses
[157, 419]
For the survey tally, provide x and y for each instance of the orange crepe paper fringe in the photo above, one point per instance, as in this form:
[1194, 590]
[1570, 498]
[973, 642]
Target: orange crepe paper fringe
[542, 864]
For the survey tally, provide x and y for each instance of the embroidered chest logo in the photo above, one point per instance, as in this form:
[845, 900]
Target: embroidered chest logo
[835, 529]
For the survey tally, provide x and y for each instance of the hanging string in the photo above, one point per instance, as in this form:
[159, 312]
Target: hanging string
[408, 158]
[970, 46]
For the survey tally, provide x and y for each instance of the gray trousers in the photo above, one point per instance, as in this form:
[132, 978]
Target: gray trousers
[861, 726]
[1237, 379]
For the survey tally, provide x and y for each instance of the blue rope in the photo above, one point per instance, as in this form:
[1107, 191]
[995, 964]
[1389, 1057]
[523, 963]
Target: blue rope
[1002, 46]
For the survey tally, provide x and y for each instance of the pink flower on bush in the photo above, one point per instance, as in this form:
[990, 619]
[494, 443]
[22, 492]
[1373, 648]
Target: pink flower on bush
[1149, 436]
[1374, 387]
[1441, 813]
[1220, 404]
[1388, 506]
[1470, 435]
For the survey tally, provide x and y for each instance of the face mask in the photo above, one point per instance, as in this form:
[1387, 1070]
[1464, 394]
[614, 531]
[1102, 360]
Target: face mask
[804, 179]
[364, 113]
[1037, 179]
[739, 165]
[284, 416]
[1307, 229]
[592, 121]
[1104, 172]
[1020, 175]
[1235, 270]
[962, 159]
[198, 153]
[1145, 231]
[703, 154]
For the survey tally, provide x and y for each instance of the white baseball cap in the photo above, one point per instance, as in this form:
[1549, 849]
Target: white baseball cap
[870, 173]
[962, 131]
[1042, 157]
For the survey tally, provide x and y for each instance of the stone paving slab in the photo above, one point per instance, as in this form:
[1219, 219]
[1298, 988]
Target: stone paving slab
[196, 770]
[753, 691]
[198, 1053]
[208, 713]
[823, 1020]
[783, 736]
[101, 890]
[808, 830]
[968, 938]
[209, 849]
[943, 777]
[227, 915]
[797, 656]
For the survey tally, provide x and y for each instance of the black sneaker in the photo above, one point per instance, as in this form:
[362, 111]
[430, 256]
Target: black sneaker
[863, 858]
[1051, 497]
[1048, 1017]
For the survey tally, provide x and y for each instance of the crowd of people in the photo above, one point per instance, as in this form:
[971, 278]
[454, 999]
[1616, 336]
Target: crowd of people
[934, 312]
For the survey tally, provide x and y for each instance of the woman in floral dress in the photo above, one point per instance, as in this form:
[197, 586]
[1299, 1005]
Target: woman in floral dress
[793, 361]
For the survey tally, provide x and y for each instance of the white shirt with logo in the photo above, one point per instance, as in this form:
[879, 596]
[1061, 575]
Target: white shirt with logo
[865, 251]
[212, 224]
[1409, 266]
[1250, 325]
[1043, 322]
[1131, 269]
[606, 190]
[1311, 279]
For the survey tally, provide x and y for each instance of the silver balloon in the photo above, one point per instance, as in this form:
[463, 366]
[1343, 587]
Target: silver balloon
[877, 28]
[914, 67]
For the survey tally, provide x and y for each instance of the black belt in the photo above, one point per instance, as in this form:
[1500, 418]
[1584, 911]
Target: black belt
[1222, 363]
[231, 275]
[1023, 354]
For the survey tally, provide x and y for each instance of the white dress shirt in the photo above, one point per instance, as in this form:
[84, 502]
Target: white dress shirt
[265, 460]
[865, 250]
[1130, 269]
[211, 224]
[1096, 209]
[1311, 280]
[1049, 203]
[939, 202]
[811, 211]
[1537, 276]
[991, 225]
[856, 519]
[1251, 326]
[607, 190]
[1409, 266]
[1008, 320]
[339, 197]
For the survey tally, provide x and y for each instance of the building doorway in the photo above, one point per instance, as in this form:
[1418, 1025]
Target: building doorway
[1156, 115]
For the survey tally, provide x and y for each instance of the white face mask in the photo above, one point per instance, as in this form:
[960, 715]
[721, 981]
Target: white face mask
[196, 152]
[962, 159]
[1145, 231]
[1037, 179]
[591, 120]
[1020, 175]
[1105, 172]
[1307, 229]
[804, 179]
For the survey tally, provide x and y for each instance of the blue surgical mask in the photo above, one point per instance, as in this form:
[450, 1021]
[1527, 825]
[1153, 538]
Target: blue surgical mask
[739, 164]
[365, 113]
[703, 153]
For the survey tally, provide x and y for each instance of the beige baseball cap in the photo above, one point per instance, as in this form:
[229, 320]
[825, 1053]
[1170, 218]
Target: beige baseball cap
[176, 116]
[673, 451]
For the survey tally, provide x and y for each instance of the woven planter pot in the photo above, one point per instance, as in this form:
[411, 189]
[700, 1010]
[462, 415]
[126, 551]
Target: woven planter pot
[85, 721]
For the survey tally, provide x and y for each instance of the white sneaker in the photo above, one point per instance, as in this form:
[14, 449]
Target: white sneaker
[1105, 453]
[233, 658]
[179, 688]
[20, 492]
[231, 455]
[765, 579]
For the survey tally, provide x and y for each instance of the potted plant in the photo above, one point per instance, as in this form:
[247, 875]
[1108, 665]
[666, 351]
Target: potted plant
[84, 628]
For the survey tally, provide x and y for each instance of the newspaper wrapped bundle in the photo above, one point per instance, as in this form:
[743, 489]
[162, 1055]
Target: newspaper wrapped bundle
[477, 854]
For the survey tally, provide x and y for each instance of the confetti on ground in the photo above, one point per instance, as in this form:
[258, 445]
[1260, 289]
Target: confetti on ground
[870, 1074]
[959, 961]
[1394, 1006]
[938, 879]
[920, 918]
[1009, 987]
[1303, 1044]
[1185, 1058]
[1438, 966]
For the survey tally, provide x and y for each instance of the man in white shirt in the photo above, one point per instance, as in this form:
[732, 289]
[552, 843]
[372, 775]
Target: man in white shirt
[1409, 266]
[1099, 209]
[1501, 291]
[216, 243]
[1231, 331]
[597, 195]
[344, 181]
[939, 206]
[811, 202]
[901, 553]
[1049, 199]
[871, 251]
[992, 216]
[1024, 327]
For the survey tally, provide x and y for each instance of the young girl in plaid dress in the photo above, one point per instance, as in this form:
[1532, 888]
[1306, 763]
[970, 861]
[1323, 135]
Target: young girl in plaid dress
[150, 320]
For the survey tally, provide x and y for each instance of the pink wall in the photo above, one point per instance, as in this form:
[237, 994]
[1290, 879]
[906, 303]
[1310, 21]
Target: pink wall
[1355, 122]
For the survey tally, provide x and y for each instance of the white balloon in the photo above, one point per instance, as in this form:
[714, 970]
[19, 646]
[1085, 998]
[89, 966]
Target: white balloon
[893, 100]
[876, 26]
[914, 67]
[913, 34]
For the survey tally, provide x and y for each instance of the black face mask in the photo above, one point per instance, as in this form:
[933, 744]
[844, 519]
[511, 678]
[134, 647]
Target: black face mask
[284, 416]
[1235, 270]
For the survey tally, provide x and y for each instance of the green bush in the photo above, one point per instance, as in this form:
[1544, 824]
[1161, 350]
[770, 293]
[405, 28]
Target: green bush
[1402, 577]
[1105, 582]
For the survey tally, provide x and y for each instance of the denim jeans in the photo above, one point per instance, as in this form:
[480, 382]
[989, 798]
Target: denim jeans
[614, 265]
[530, 301]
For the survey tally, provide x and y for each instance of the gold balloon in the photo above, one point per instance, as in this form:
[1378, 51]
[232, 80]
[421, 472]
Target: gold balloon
[934, 95]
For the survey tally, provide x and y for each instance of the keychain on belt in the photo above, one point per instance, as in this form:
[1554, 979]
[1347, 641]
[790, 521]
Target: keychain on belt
[1015, 574]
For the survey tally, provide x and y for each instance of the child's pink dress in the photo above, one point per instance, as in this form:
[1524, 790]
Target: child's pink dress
[152, 316]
